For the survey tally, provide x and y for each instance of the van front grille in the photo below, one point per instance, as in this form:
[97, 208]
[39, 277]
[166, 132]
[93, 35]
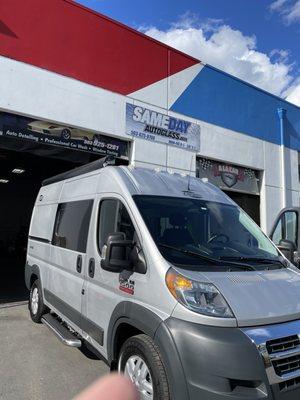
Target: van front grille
[290, 384]
[286, 365]
[279, 347]
[283, 344]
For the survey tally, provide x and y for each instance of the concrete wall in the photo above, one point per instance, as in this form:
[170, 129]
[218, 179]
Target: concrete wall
[37, 93]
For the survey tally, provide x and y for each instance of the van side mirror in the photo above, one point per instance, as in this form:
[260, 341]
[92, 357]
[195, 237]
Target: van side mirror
[288, 248]
[116, 257]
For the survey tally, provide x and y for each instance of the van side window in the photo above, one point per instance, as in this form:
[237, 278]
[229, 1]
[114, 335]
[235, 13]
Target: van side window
[113, 218]
[290, 223]
[72, 225]
[278, 232]
[286, 228]
[124, 223]
[107, 221]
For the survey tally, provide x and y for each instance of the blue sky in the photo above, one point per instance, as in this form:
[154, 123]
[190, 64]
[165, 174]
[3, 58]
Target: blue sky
[257, 40]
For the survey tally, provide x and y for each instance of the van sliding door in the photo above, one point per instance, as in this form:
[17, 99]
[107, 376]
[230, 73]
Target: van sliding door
[68, 258]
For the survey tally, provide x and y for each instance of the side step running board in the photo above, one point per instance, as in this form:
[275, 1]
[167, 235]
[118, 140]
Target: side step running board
[63, 333]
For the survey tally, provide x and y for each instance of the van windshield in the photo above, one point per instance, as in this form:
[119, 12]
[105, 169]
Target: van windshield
[183, 228]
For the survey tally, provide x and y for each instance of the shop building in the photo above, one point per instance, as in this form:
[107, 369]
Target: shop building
[76, 85]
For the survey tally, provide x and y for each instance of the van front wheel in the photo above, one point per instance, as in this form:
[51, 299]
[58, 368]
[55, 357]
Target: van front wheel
[141, 361]
[36, 305]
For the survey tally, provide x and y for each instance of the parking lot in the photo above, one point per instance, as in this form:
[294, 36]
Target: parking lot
[35, 365]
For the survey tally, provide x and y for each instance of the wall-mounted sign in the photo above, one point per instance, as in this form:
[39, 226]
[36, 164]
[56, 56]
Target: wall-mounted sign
[48, 133]
[228, 176]
[156, 127]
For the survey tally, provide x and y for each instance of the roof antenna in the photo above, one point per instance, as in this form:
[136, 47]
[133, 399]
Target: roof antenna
[189, 180]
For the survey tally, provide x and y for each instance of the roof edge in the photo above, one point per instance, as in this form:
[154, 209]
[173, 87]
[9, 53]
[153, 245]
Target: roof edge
[136, 32]
[252, 86]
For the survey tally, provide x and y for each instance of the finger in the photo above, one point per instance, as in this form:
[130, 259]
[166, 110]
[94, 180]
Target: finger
[112, 387]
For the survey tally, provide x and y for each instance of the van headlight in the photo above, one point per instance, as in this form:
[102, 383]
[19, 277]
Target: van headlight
[203, 298]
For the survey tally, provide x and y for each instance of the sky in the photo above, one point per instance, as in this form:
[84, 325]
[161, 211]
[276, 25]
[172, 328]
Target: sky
[255, 40]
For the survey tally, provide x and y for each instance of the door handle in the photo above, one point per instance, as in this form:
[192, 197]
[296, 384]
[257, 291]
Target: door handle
[79, 264]
[91, 267]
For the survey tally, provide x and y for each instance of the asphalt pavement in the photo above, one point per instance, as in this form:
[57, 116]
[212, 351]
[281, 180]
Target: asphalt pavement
[35, 365]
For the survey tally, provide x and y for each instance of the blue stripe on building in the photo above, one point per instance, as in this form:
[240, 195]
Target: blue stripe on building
[221, 99]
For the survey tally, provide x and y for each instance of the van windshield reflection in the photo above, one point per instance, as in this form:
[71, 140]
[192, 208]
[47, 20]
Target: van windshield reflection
[216, 231]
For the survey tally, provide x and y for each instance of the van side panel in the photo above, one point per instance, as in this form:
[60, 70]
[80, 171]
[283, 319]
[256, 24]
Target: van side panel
[68, 261]
[50, 193]
[39, 242]
[76, 188]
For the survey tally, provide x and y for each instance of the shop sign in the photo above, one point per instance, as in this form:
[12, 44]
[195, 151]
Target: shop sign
[47, 133]
[228, 176]
[157, 127]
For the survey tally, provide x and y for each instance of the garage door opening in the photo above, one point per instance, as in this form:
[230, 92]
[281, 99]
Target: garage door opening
[240, 183]
[248, 202]
[21, 175]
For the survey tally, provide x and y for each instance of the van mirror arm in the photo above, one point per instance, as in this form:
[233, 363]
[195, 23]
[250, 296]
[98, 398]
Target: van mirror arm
[138, 260]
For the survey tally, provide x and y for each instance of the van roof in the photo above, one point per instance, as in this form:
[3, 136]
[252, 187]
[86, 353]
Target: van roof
[84, 169]
[142, 181]
[145, 181]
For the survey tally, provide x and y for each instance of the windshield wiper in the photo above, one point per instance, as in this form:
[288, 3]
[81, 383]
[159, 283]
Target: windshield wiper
[253, 259]
[211, 260]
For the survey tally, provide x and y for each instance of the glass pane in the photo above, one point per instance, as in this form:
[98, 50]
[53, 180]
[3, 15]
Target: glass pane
[291, 226]
[124, 223]
[209, 228]
[72, 225]
[107, 223]
[277, 235]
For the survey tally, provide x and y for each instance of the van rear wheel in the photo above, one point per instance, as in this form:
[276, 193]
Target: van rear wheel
[36, 305]
[141, 362]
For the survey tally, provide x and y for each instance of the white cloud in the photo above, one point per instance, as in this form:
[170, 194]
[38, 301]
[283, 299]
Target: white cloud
[293, 92]
[277, 5]
[288, 9]
[230, 50]
[293, 15]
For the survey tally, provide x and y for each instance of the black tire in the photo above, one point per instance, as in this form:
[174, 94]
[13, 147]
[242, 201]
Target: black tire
[66, 134]
[36, 313]
[144, 347]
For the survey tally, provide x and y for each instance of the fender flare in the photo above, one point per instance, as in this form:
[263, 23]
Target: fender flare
[132, 314]
[152, 325]
[29, 271]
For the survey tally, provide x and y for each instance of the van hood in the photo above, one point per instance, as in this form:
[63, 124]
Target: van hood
[256, 297]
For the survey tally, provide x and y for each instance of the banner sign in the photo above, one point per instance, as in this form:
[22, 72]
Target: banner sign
[48, 133]
[156, 127]
[227, 176]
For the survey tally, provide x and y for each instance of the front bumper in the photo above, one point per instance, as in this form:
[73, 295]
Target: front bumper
[213, 363]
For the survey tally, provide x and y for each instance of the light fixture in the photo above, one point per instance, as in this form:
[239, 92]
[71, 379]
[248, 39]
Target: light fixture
[18, 171]
[4, 180]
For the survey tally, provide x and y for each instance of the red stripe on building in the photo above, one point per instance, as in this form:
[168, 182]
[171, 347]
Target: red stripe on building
[64, 37]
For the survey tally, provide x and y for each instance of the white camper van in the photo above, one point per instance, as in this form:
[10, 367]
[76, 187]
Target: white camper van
[168, 280]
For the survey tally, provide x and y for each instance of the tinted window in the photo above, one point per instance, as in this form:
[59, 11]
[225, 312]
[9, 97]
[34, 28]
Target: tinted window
[107, 223]
[290, 222]
[72, 225]
[114, 218]
[180, 226]
[124, 223]
[278, 232]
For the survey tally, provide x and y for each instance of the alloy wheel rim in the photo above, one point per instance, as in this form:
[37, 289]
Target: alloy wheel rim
[138, 372]
[35, 301]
